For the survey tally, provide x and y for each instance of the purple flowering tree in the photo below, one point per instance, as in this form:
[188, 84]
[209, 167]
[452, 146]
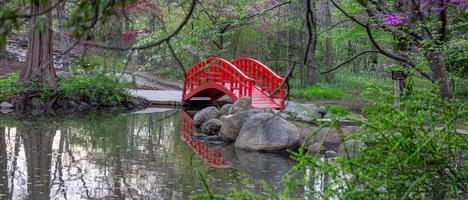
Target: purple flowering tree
[420, 28]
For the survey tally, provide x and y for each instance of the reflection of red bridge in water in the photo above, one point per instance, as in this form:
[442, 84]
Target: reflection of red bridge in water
[213, 157]
[215, 77]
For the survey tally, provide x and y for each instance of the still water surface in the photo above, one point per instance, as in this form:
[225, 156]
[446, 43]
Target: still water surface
[124, 156]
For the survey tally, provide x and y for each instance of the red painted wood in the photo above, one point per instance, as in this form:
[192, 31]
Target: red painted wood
[212, 156]
[243, 77]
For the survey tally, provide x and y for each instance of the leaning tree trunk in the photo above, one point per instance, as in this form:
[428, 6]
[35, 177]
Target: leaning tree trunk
[39, 60]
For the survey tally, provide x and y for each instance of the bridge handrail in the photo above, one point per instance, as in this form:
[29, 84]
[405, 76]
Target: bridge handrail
[267, 79]
[197, 73]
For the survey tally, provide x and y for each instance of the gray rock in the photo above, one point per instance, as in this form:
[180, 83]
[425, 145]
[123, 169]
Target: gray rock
[307, 116]
[211, 127]
[225, 109]
[6, 106]
[280, 114]
[63, 74]
[242, 104]
[266, 132]
[204, 115]
[198, 136]
[304, 112]
[330, 153]
[315, 148]
[83, 106]
[232, 124]
[293, 108]
[352, 146]
[213, 138]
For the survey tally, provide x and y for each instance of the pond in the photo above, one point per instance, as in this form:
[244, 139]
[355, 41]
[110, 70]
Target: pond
[112, 155]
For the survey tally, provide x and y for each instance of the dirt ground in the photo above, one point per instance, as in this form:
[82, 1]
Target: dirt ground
[9, 66]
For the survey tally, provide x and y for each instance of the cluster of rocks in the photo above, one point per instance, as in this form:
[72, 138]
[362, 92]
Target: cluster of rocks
[254, 129]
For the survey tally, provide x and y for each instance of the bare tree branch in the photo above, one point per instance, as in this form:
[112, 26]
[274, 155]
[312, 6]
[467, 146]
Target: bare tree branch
[33, 14]
[151, 44]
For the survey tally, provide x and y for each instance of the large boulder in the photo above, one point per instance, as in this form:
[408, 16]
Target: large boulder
[232, 124]
[204, 115]
[242, 104]
[211, 127]
[267, 132]
[225, 109]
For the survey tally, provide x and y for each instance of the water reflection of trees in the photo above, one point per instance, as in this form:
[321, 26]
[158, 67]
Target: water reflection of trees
[117, 156]
[93, 156]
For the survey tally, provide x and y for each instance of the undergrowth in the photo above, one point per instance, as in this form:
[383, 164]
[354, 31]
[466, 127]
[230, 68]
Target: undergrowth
[409, 151]
[97, 88]
[9, 86]
[100, 89]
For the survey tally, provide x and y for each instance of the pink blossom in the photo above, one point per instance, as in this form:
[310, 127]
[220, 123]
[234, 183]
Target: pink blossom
[392, 19]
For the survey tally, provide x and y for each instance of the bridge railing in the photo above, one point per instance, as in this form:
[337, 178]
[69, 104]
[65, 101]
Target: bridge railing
[270, 82]
[218, 71]
[212, 156]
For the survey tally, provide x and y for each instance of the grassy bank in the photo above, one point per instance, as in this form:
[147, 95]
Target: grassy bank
[96, 88]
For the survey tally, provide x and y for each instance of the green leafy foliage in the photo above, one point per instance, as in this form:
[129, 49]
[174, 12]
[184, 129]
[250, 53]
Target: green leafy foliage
[413, 151]
[337, 110]
[100, 89]
[9, 86]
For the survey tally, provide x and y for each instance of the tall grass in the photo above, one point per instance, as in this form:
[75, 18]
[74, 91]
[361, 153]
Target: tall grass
[344, 84]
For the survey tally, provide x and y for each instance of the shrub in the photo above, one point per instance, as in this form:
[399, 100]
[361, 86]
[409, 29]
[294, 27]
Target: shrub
[413, 152]
[9, 86]
[97, 88]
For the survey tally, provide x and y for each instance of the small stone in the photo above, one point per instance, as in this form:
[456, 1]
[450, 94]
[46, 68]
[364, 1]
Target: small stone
[330, 153]
[63, 74]
[6, 111]
[6, 106]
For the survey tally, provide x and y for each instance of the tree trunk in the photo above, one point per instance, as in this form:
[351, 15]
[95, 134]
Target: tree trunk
[37, 141]
[328, 61]
[439, 73]
[311, 24]
[39, 60]
[64, 39]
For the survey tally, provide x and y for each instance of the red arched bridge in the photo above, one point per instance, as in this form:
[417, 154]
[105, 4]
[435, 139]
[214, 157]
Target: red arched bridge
[215, 77]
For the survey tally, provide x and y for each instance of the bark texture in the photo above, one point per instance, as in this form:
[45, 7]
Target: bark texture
[328, 58]
[39, 60]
